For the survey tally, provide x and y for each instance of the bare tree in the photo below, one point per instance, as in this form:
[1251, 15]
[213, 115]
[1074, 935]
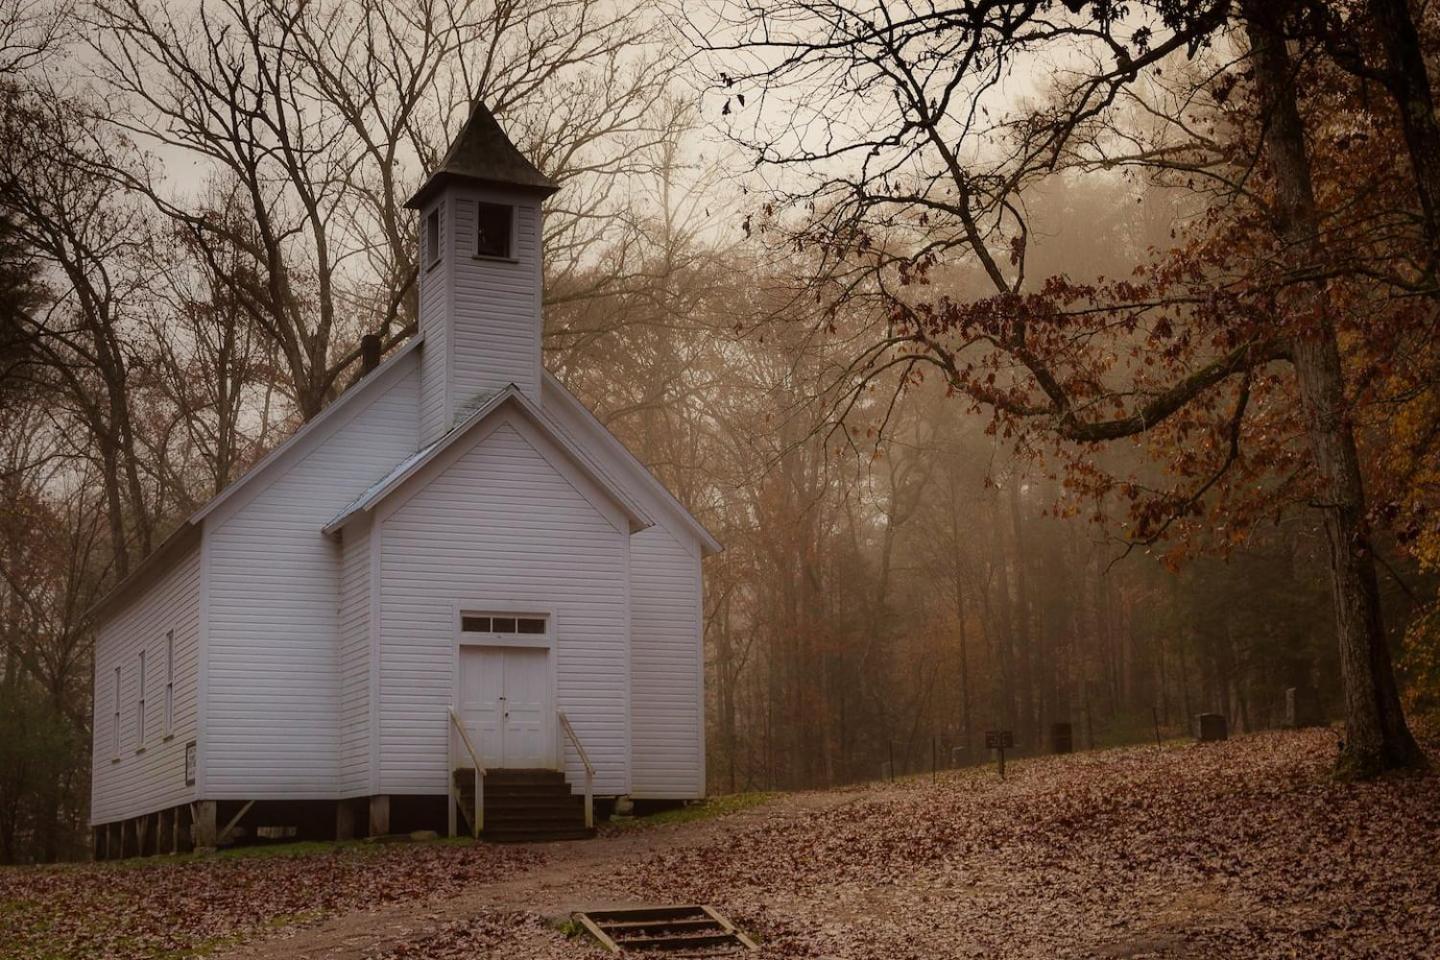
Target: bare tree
[888, 110]
[325, 115]
[90, 241]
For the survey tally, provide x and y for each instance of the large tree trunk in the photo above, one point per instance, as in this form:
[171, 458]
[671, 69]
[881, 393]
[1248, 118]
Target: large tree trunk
[1409, 85]
[1376, 736]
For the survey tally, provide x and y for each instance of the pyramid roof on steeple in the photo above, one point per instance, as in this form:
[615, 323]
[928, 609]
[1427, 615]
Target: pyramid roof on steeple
[482, 153]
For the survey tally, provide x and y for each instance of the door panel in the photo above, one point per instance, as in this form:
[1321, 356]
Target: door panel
[505, 705]
[528, 742]
[482, 703]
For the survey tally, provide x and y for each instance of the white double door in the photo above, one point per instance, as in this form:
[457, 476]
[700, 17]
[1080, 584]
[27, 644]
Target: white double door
[505, 704]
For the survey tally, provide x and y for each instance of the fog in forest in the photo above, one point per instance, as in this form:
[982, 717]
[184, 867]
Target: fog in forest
[902, 570]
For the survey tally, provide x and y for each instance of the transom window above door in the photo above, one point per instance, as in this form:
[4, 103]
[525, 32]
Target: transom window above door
[501, 623]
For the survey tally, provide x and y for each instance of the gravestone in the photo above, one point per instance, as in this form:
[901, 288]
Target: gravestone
[1061, 738]
[1210, 727]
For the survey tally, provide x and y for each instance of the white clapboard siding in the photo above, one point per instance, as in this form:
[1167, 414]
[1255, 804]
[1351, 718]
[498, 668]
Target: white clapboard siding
[273, 694]
[496, 306]
[667, 658]
[500, 518]
[131, 783]
[354, 659]
[667, 719]
[435, 325]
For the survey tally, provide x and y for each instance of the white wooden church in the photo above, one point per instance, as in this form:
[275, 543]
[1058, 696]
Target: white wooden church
[453, 578]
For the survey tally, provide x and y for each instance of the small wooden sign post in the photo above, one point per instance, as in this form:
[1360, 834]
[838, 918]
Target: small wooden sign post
[1000, 741]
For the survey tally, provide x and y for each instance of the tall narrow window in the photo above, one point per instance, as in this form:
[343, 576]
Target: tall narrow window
[140, 707]
[493, 222]
[169, 683]
[115, 727]
[432, 237]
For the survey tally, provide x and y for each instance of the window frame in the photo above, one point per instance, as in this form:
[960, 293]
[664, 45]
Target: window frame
[510, 215]
[432, 237]
[140, 707]
[115, 727]
[470, 625]
[169, 683]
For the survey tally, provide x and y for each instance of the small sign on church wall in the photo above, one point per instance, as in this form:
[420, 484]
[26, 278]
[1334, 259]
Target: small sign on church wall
[190, 764]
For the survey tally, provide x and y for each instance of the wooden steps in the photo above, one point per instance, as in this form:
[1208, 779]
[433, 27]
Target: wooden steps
[690, 930]
[526, 806]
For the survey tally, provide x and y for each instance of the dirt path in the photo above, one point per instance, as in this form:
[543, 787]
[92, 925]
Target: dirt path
[576, 875]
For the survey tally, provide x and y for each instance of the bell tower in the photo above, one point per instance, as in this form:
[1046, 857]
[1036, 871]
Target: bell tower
[480, 274]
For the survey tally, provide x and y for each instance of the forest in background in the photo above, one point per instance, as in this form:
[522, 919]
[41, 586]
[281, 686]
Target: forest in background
[202, 216]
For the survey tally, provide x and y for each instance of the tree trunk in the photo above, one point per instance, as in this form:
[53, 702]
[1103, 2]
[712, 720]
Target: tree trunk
[1028, 733]
[1409, 86]
[1002, 669]
[1376, 736]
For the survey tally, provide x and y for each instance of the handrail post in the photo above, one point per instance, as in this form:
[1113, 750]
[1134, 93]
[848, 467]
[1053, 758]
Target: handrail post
[589, 768]
[589, 799]
[452, 803]
[477, 824]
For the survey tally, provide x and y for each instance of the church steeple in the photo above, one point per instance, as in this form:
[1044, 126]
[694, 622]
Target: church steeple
[480, 274]
[482, 154]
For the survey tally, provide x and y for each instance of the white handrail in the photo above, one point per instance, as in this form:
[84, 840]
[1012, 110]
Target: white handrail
[589, 769]
[478, 823]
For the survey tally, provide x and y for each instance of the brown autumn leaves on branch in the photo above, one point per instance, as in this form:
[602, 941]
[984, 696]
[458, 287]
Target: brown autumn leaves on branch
[1306, 257]
[873, 597]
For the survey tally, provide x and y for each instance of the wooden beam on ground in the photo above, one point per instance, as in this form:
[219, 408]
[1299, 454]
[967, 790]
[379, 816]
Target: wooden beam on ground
[730, 928]
[597, 933]
[225, 834]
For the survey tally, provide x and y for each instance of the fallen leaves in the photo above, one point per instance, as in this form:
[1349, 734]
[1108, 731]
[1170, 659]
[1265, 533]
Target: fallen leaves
[159, 908]
[1246, 848]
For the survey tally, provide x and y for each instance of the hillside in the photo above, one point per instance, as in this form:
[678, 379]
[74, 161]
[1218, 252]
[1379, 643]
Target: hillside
[1246, 848]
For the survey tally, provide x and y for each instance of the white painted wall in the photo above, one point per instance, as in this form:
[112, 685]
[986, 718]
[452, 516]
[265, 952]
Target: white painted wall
[495, 305]
[316, 686]
[667, 666]
[500, 517]
[435, 300]
[135, 781]
[274, 690]
[667, 656]
[353, 659]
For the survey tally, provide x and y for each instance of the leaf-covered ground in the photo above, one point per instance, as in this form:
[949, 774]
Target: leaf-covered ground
[1242, 849]
[155, 908]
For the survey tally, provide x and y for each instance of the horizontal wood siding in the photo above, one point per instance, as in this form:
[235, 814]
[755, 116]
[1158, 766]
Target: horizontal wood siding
[667, 659]
[354, 659]
[153, 779]
[667, 663]
[496, 324]
[499, 520]
[435, 325]
[273, 703]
